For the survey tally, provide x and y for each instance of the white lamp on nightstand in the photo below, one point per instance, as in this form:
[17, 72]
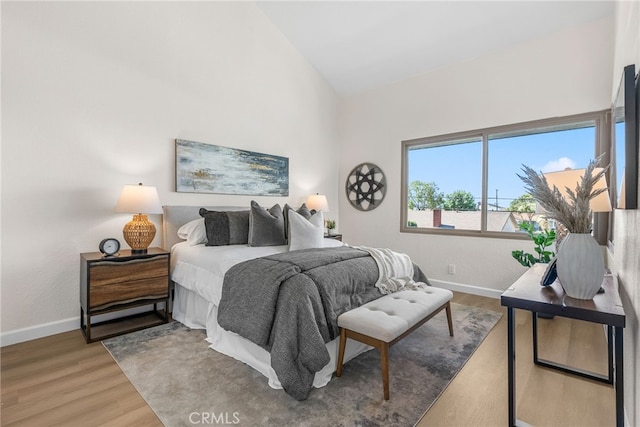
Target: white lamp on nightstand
[139, 200]
[318, 202]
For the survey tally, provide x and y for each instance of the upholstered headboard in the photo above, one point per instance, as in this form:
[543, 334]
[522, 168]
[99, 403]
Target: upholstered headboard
[176, 216]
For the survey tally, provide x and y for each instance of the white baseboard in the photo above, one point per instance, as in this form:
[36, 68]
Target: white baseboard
[66, 325]
[39, 331]
[60, 326]
[467, 289]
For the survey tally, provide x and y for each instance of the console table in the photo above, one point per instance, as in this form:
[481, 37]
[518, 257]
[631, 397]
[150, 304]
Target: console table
[605, 308]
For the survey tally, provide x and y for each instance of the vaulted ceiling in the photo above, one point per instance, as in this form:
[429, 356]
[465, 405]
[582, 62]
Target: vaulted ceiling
[358, 45]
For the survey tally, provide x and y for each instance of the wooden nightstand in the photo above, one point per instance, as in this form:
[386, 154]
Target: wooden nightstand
[333, 236]
[112, 284]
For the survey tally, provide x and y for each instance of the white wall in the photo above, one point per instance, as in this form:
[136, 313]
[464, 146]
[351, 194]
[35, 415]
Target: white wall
[93, 95]
[562, 74]
[626, 254]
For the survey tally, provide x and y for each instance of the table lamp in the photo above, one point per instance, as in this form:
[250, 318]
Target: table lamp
[139, 200]
[318, 202]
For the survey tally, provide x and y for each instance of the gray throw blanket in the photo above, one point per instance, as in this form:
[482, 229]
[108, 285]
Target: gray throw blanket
[289, 304]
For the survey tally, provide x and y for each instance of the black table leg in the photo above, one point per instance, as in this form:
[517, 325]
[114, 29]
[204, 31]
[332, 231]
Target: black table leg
[619, 383]
[610, 354]
[534, 328]
[511, 362]
[568, 369]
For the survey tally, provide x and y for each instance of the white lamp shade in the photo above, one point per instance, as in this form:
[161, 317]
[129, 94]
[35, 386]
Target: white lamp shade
[318, 202]
[571, 177]
[139, 199]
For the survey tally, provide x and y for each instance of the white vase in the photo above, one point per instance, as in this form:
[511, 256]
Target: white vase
[580, 265]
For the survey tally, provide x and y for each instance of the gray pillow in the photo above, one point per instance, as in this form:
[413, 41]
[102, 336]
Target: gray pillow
[266, 227]
[302, 210]
[226, 227]
[216, 225]
[238, 227]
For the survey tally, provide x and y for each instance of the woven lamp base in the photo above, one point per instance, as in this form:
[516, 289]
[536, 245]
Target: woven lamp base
[139, 233]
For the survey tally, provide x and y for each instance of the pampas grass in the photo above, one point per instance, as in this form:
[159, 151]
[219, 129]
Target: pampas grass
[573, 212]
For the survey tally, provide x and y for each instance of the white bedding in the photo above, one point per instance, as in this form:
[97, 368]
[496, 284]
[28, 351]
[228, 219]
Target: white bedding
[201, 268]
[198, 272]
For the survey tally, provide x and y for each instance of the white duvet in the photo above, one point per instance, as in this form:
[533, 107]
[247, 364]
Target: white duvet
[201, 268]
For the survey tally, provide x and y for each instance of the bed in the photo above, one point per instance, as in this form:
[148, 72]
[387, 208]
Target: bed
[198, 271]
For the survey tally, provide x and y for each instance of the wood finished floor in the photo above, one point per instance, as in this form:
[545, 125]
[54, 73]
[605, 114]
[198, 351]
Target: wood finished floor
[60, 380]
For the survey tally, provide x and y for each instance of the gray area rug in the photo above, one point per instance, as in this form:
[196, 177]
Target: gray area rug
[186, 383]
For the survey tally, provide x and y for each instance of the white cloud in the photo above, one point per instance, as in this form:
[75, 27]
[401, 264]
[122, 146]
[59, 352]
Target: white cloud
[557, 165]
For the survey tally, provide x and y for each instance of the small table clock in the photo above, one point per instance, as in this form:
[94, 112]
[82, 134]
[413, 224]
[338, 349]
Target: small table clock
[109, 246]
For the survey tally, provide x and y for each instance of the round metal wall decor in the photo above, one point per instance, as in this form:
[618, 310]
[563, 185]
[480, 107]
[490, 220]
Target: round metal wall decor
[366, 187]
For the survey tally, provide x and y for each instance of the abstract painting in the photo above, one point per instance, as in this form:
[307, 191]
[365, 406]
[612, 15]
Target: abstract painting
[207, 168]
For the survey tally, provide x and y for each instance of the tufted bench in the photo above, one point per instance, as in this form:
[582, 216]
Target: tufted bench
[383, 322]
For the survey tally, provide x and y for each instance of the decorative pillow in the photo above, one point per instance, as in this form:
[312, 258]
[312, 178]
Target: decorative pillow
[238, 227]
[193, 232]
[305, 234]
[217, 227]
[266, 227]
[302, 210]
[226, 227]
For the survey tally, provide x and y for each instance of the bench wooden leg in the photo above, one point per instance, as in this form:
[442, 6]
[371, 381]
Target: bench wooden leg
[343, 343]
[449, 319]
[383, 346]
[384, 358]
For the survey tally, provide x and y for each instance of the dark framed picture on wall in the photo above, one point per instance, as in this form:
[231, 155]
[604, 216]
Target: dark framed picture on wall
[625, 140]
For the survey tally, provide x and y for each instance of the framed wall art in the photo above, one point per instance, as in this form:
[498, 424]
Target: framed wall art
[208, 168]
[625, 142]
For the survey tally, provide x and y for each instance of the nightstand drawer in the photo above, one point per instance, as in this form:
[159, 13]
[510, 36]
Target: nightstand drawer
[108, 294]
[112, 272]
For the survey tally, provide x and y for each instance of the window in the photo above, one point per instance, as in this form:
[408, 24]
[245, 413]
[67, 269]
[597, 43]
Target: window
[446, 176]
[467, 183]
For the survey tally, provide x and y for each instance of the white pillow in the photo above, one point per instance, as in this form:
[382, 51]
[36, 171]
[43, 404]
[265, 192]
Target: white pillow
[303, 233]
[193, 232]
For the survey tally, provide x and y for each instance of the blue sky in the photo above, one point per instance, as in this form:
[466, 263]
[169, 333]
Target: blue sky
[458, 167]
